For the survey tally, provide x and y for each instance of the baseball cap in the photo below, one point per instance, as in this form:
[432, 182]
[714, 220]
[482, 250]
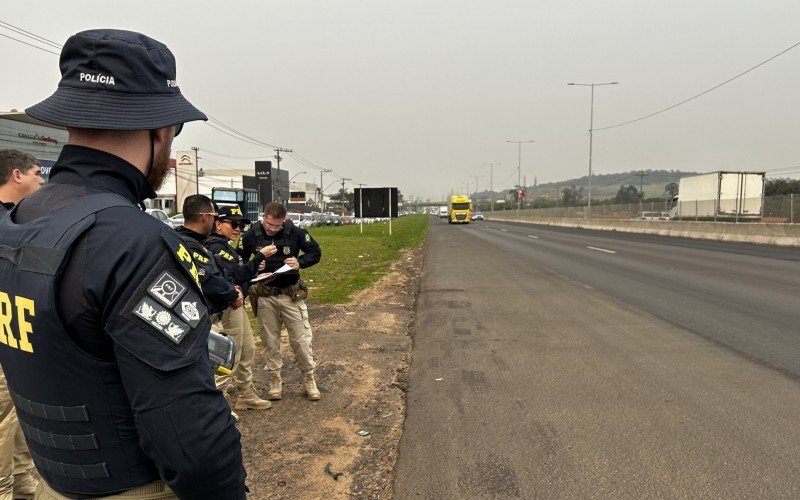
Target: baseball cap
[116, 80]
[231, 212]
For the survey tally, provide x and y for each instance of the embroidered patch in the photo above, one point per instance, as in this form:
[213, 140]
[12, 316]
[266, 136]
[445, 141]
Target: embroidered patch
[201, 271]
[225, 255]
[190, 309]
[200, 258]
[155, 315]
[308, 237]
[167, 289]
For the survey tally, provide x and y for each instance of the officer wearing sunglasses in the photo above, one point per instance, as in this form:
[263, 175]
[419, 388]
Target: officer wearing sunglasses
[228, 226]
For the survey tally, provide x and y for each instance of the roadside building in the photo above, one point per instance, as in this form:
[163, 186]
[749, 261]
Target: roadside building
[40, 139]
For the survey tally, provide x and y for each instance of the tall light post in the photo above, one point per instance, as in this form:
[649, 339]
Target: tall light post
[321, 191]
[591, 127]
[295, 175]
[519, 170]
[491, 181]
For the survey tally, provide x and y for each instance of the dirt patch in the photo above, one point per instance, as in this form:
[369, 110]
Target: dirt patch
[363, 353]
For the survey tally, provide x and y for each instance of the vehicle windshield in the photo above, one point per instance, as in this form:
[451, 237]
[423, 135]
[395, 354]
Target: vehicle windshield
[460, 206]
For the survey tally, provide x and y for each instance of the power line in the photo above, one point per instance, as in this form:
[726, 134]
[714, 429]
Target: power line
[701, 93]
[30, 44]
[36, 37]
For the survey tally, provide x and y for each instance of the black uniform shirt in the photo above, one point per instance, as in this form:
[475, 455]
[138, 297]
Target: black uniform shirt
[290, 241]
[217, 289]
[182, 420]
[237, 272]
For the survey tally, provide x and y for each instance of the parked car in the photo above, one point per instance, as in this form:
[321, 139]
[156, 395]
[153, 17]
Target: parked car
[652, 216]
[160, 215]
[177, 220]
[477, 216]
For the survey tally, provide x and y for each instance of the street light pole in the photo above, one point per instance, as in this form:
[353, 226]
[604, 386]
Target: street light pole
[519, 171]
[278, 152]
[491, 181]
[321, 191]
[591, 128]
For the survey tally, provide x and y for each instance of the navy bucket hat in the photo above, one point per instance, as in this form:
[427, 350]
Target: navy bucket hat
[116, 80]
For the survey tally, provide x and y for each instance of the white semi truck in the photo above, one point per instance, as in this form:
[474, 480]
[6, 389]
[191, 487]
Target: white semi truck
[720, 196]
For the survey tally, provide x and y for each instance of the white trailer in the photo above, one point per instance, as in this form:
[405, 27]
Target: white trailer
[726, 196]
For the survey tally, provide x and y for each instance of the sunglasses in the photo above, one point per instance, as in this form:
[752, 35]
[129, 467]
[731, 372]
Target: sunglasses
[178, 129]
[235, 225]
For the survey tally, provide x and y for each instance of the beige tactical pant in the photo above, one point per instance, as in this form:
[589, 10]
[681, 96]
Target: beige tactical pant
[14, 455]
[236, 324]
[282, 309]
[152, 491]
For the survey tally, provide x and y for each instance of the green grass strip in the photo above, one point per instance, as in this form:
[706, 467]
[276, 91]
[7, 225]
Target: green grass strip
[352, 261]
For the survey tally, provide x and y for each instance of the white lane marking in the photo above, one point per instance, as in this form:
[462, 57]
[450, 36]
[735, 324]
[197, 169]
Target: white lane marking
[504, 230]
[601, 250]
[532, 236]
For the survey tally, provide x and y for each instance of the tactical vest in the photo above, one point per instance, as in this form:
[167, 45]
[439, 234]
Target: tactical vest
[72, 408]
[287, 247]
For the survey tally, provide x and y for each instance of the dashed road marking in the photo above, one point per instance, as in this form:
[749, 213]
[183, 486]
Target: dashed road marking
[532, 236]
[601, 250]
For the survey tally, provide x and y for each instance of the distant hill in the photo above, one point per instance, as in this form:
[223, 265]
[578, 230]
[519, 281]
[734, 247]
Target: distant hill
[606, 185]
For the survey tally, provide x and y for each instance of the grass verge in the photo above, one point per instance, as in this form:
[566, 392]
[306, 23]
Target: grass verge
[352, 261]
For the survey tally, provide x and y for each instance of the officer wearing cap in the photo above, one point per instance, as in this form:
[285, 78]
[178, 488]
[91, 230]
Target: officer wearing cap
[280, 300]
[234, 322]
[106, 348]
[199, 213]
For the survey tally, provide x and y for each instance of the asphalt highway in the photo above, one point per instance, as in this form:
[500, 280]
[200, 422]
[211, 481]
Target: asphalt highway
[555, 362]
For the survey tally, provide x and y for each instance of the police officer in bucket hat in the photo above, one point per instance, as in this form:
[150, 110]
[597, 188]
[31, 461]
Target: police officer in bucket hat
[106, 357]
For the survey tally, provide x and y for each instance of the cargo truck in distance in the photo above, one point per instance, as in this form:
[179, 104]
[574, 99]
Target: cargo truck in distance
[458, 210]
[720, 196]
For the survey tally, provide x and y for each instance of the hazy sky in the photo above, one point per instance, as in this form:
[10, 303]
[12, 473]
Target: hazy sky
[419, 94]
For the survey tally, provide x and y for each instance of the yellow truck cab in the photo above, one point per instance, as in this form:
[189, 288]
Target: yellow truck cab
[458, 210]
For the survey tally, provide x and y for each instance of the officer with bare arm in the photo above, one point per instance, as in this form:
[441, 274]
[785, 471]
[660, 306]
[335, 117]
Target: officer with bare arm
[281, 299]
[19, 177]
[105, 328]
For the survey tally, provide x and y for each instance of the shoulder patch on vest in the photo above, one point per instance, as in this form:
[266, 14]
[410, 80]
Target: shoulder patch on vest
[190, 309]
[308, 237]
[162, 319]
[167, 289]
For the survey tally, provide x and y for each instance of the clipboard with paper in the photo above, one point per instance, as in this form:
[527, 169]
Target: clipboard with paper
[267, 277]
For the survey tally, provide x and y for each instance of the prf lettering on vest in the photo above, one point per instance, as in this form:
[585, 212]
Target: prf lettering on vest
[25, 309]
[185, 256]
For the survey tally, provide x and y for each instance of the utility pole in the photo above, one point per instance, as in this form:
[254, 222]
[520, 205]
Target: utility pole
[519, 171]
[591, 130]
[321, 190]
[196, 169]
[476, 188]
[278, 152]
[491, 181]
[342, 193]
[642, 175]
